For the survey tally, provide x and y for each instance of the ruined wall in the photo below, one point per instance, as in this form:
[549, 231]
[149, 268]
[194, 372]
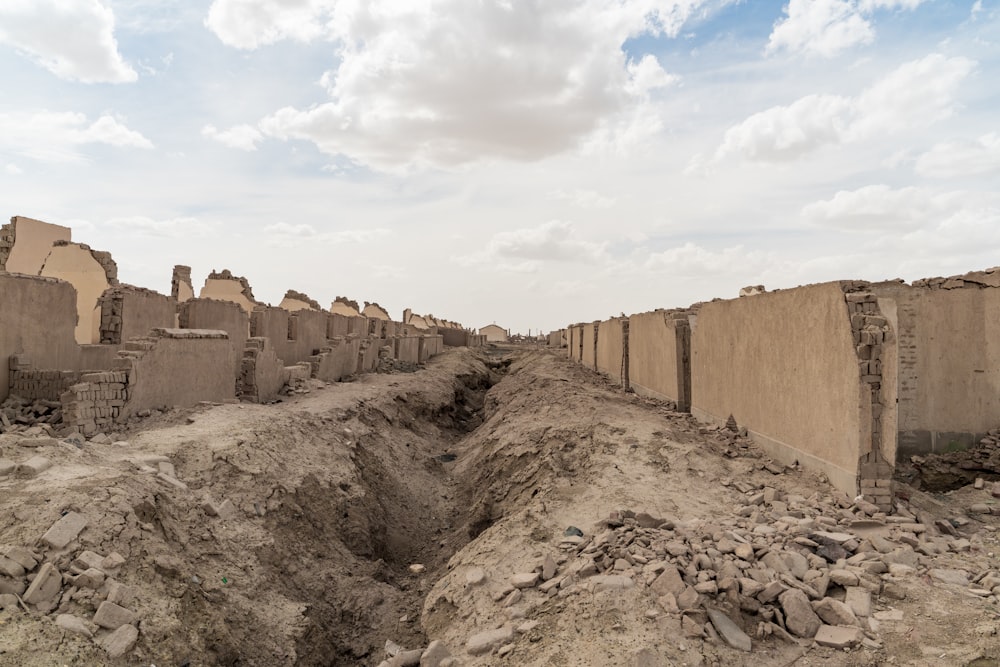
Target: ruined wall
[293, 301]
[26, 242]
[181, 288]
[786, 366]
[128, 312]
[455, 337]
[346, 307]
[660, 356]
[375, 311]
[307, 333]
[407, 349]
[31, 383]
[90, 272]
[96, 402]
[949, 359]
[218, 315]
[343, 325]
[262, 375]
[178, 367]
[38, 320]
[224, 286]
[612, 349]
[430, 346]
[588, 352]
[271, 322]
[337, 360]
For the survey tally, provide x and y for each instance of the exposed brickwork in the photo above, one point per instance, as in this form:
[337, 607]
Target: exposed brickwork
[181, 276]
[226, 274]
[299, 296]
[6, 243]
[96, 402]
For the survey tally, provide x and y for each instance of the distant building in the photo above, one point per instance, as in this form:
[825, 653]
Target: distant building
[494, 333]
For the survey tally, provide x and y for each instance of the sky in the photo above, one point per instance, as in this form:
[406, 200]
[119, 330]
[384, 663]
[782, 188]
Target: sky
[532, 163]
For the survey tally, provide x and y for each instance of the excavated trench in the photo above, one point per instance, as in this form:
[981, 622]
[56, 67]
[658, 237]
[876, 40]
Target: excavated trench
[363, 554]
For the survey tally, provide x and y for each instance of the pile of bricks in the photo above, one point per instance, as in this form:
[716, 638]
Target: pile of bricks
[96, 401]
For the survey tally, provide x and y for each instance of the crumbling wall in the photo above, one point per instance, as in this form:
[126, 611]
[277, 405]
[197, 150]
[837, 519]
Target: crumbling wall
[785, 365]
[375, 311]
[262, 375]
[38, 320]
[660, 356]
[343, 325]
[949, 359]
[407, 349]
[173, 367]
[33, 383]
[346, 307]
[589, 351]
[368, 354]
[293, 301]
[224, 286]
[90, 272]
[26, 242]
[307, 333]
[96, 402]
[337, 360]
[429, 347]
[128, 312]
[455, 337]
[218, 315]
[181, 287]
[612, 354]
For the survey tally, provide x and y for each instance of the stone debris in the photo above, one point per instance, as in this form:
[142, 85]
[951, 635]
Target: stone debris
[121, 641]
[485, 642]
[74, 624]
[65, 530]
[729, 631]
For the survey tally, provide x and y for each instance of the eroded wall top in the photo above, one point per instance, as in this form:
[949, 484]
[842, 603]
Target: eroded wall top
[26, 242]
[298, 301]
[224, 286]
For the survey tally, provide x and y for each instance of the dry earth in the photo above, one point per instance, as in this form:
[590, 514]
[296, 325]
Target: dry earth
[399, 507]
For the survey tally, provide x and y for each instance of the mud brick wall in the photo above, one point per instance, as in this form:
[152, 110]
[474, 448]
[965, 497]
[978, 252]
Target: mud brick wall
[37, 319]
[337, 360]
[407, 349]
[96, 402]
[181, 288]
[612, 349]
[786, 366]
[218, 315]
[430, 347]
[262, 375]
[949, 359]
[589, 350]
[44, 384]
[875, 349]
[307, 333]
[455, 337]
[172, 367]
[660, 356]
[128, 312]
[6, 243]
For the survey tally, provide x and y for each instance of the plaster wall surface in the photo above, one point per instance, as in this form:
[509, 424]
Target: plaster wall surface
[262, 373]
[182, 367]
[337, 360]
[611, 349]
[375, 312]
[76, 265]
[218, 315]
[292, 305]
[271, 322]
[784, 365]
[408, 349]
[494, 333]
[308, 331]
[455, 337]
[33, 242]
[588, 336]
[37, 318]
[140, 312]
[949, 364]
[656, 363]
[341, 308]
[226, 289]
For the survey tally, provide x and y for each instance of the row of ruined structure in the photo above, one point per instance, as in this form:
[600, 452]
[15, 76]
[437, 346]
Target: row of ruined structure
[72, 334]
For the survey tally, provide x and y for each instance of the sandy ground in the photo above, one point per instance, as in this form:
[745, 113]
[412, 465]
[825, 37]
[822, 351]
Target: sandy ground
[336, 493]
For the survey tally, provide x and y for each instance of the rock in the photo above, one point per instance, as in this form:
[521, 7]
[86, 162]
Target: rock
[688, 599]
[406, 658]
[800, 619]
[512, 598]
[744, 552]
[121, 641]
[168, 566]
[34, 466]
[669, 581]
[45, 586]
[417, 568]
[548, 567]
[843, 578]
[74, 624]
[951, 577]
[12, 586]
[65, 530]
[112, 616]
[834, 612]
[90, 578]
[475, 576]
[88, 559]
[435, 652]
[729, 631]
[771, 591]
[524, 579]
[838, 637]
[889, 615]
[859, 600]
[527, 627]
[797, 564]
[691, 628]
[610, 582]
[112, 561]
[484, 642]
[7, 467]
[11, 568]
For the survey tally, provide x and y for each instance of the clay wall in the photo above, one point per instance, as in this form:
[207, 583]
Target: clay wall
[26, 242]
[430, 346]
[786, 366]
[262, 375]
[181, 288]
[455, 337]
[949, 360]
[224, 286]
[91, 273]
[337, 360]
[218, 315]
[659, 345]
[407, 349]
[307, 333]
[37, 320]
[128, 312]
[612, 349]
[588, 353]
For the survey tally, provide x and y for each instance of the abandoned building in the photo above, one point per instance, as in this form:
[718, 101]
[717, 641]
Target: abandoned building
[495, 333]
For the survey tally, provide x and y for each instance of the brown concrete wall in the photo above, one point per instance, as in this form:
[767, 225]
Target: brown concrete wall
[949, 365]
[218, 315]
[26, 242]
[128, 312]
[784, 364]
[178, 367]
[659, 344]
[611, 353]
[37, 319]
[589, 351]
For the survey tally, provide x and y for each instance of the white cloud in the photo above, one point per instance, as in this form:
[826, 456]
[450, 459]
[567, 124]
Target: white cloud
[961, 158]
[873, 208]
[828, 27]
[184, 227]
[916, 94]
[448, 82]
[526, 250]
[243, 137]
[286, 235]
[694, 260]
[584, 198]
[73, 39]
[53, 136]
[12, 169]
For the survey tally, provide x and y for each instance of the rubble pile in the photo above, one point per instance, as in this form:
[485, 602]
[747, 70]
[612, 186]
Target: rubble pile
[17, 412]
[950, 470]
